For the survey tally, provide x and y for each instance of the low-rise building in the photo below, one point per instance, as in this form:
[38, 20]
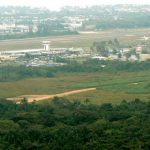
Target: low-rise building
[133, 58]
[144, 57]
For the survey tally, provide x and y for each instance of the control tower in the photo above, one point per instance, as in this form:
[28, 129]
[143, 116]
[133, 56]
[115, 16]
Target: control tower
[46, 45]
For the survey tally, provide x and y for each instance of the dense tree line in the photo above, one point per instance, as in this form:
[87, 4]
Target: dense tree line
[102, 66]
[12, 73]
[104, 47]
[127, 20]
[43, 31]
[64, 125]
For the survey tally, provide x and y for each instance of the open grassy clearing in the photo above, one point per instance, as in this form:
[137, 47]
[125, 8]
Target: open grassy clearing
[85, 39]
[110, 87]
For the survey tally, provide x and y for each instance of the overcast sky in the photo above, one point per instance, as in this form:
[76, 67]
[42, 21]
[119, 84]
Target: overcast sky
[57, 4]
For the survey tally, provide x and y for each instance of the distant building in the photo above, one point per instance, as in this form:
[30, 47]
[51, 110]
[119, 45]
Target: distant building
[99, 58]
[75, 26]
[133, 58]
[139, 50]
[144, 57]
[6, 58]
[13, 29]
[46, 45]
[35, 29]
[125, 50]
[113, 57]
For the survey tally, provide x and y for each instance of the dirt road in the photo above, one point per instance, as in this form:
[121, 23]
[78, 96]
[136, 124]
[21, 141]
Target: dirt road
[32, 98]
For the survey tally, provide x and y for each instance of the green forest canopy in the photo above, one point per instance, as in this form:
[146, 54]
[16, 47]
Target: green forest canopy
[66, 125]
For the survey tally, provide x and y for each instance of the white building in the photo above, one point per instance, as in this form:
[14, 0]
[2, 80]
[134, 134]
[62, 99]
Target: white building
[99, 58]
[139, 50]
[133, 58]
[46, 45]
[113, 57]
[35, 29]
[144, 57]
[125, 50]
[12, 28]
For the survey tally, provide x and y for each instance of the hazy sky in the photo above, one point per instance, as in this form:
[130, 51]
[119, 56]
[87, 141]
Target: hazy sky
[56, 4]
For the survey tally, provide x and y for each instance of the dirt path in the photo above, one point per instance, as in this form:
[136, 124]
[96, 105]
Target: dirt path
[32, 98]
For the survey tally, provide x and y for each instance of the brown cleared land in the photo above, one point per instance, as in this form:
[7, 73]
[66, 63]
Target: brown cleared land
[32, 98]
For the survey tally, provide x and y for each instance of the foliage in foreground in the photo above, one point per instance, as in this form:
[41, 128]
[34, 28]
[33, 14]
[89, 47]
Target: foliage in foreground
[66, 125]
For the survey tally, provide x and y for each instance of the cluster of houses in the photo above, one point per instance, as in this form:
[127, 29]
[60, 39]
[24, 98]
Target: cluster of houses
[10, 24]
[70, 23]
[127, 54]
[16, 29]
[74, 23]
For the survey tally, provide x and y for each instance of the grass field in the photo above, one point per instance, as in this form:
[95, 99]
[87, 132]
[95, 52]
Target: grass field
[110, 87]
[85, 39]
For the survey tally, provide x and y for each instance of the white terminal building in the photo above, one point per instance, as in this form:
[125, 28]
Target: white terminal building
[45, 50]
